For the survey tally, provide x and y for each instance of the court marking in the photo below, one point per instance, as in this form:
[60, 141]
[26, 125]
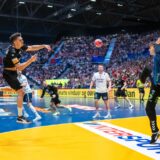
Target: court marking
[133, 140]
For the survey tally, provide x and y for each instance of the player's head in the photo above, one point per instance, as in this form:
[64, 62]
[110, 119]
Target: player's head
[45, 84]
[16, 40]
[100, 68]
[19, 73]
[158, 41]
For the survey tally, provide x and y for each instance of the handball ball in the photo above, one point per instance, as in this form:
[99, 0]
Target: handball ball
[98, 43]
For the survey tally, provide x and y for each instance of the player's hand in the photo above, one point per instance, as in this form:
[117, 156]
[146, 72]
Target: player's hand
[40, 99]
[53, 96]
[48, 47]
[34, 58]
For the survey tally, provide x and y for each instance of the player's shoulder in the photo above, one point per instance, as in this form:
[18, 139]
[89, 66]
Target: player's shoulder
[106, 74]
[11, 50]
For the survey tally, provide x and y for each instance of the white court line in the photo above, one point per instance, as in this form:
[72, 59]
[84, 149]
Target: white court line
[136, 141]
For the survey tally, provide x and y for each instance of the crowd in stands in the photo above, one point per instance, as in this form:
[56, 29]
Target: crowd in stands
[76, 60]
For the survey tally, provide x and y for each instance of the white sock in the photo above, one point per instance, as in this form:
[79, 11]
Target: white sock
[33, 109]
[19, 111]
[24, 110]
[108, 111]
[130, 103]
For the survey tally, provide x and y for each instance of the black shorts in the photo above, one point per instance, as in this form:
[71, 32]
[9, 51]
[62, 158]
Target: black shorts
[121, 93]
[99, 95]
[55, 100]
[11, 79]
[27, 97]
[141, 90]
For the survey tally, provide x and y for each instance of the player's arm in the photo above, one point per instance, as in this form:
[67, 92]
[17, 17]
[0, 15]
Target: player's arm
[38, 47]
[110, 85]
[43, 92]
[124, 86]
[92, 82]
[91, 85]
[22, 66]
[109, 82]
[152, 49]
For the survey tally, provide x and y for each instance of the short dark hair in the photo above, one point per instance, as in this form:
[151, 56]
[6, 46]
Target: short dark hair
[101, 64]
[14, 36]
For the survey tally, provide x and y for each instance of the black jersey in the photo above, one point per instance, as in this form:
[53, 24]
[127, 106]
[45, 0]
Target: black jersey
[51, 90]
[120, 84]
[13, 56]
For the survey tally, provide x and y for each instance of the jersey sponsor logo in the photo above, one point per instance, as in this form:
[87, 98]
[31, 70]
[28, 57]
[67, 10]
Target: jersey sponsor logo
[133, 140]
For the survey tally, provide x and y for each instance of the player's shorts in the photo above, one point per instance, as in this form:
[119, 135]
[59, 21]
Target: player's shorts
[27, 97]
[99, 95]
[55, 100]
[11, 79]
[141, 90]
[121, 93]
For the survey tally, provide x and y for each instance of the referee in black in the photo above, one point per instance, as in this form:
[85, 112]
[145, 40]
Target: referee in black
[12, 64]
[155, 89]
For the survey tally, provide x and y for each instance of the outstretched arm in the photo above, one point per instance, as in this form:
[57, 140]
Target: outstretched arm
[22, 66]
[38, 47]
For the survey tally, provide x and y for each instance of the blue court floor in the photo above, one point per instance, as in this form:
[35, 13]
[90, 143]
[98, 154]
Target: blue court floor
[82, 110]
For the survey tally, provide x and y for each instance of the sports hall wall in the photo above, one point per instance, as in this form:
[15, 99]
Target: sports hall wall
[133, 93]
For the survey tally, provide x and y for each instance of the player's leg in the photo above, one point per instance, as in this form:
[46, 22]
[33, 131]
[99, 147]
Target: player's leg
[106, 102]
[11, 79]
[96, 101]
[53, 107]
[24, 110]
[116, 99]
[124, 95]
[20, 96]
[28, 99]
[38, 117]
[129, 102]
[140, 95]
[151, 113]
[143, 94]
[58, 105]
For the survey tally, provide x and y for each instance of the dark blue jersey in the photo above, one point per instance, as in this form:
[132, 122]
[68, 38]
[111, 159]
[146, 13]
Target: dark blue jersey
[156, 65]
